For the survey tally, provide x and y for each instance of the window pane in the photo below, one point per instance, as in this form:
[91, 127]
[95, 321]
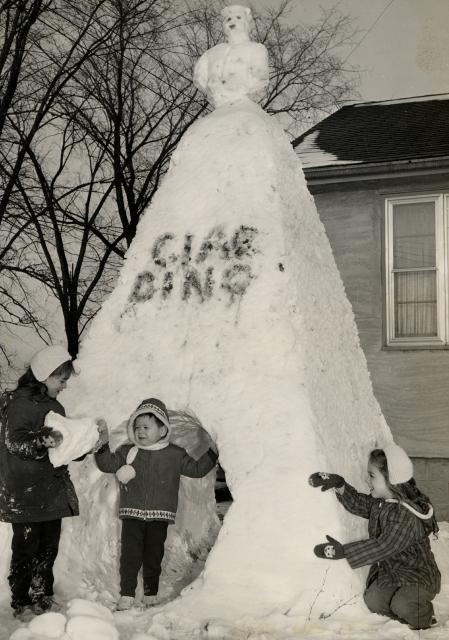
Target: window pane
[415, 308]
[414, 235]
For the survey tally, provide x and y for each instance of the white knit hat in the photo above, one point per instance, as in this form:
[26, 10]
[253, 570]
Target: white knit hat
[47, 360]
[400, 467]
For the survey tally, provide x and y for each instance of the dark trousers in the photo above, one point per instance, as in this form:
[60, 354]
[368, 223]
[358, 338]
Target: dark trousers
[142, 544]
[34, 549]
[411, 604]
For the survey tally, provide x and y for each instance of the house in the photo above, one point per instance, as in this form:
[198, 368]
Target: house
[379, 173]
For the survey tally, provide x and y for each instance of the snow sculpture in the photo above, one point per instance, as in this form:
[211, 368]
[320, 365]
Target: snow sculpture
[230, 304]
[236, 69]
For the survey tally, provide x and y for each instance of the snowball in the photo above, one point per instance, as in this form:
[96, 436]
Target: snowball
[90, 628]
[23, 633]
[49, 625]
[79, 437]
[79, 607]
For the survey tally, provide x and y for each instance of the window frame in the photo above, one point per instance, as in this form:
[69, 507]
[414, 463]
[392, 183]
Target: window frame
[441, 204]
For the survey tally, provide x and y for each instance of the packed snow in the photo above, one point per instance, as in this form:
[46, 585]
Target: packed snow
[79, 436]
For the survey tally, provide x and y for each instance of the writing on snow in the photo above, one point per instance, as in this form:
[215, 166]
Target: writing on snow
[174, 260]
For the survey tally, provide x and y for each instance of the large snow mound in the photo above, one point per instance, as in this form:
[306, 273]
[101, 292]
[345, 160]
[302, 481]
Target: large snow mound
[230, 304]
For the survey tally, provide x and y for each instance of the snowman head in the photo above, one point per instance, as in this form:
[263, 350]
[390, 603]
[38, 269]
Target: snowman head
[236, 23]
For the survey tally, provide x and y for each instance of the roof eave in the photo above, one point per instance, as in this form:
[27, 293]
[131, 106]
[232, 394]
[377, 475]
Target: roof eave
[376, 170]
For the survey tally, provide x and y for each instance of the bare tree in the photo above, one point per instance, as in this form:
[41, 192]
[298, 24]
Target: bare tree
[44, 44]
[91, 125]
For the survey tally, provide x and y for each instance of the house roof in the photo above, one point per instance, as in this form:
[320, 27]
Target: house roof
[406, 129]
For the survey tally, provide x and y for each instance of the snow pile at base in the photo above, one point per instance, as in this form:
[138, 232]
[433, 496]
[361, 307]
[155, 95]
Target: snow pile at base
[230, 304]
[79, 435]
[134, 624]
[83, 621]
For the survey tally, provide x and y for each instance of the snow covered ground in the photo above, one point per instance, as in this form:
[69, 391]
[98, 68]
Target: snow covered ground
[82, 619]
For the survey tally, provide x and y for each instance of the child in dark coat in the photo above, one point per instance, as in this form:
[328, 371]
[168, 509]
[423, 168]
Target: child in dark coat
[34, 495]
[149, 472]
[404, 577]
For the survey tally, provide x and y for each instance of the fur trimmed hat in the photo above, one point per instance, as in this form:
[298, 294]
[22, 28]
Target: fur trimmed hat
[400, 467]
[47, 360]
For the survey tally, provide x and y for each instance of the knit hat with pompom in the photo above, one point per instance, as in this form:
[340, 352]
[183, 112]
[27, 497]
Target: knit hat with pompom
[151, 405]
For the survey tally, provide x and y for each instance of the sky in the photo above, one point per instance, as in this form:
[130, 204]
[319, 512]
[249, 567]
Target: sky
[406, 53]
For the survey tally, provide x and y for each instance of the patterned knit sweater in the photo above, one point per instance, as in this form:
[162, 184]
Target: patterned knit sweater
[153, 493]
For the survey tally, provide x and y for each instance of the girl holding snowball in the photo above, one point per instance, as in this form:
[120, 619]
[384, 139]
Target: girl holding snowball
[34, 495]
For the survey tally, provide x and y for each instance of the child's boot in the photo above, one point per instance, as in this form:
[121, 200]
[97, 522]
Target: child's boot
[125, 603]
[24, 613]
[44, 604]
[433, 623]
[151, 601]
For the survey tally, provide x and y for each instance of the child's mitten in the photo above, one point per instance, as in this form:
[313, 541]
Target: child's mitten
[50, 438]
[326, 480]
[186, 431]
[331, 550]
[103, 434]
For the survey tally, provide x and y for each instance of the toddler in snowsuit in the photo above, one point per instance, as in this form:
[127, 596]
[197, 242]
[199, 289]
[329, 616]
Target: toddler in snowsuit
[403, 578]
[149, 471]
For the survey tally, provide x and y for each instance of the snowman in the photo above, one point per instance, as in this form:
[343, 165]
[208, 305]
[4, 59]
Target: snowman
[236, 69]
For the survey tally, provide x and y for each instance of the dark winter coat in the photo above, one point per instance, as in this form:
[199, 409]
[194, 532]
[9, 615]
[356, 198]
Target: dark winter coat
[398, 548]
[31, 489]
[153, 493]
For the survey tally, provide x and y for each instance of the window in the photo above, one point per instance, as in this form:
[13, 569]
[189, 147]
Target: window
[416, 273]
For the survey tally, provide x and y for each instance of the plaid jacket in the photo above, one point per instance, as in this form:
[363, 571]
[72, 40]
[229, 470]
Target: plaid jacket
[398, 547]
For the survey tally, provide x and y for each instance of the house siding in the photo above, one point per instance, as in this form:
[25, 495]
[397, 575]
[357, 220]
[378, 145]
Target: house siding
[411, 386]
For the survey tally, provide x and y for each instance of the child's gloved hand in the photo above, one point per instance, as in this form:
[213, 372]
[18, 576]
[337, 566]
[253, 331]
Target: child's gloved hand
[331, 550]
[51, 438]
[210, 442]
[326, 480]
[103, 433]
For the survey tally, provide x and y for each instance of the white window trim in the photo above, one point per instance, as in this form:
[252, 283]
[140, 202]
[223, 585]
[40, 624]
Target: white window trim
[441, 202]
